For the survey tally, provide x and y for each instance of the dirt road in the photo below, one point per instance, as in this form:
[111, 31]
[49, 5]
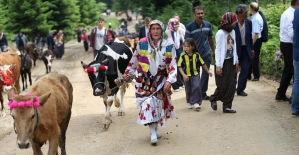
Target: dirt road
[261, 125]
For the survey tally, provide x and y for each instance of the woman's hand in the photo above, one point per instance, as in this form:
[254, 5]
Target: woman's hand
[167, 87]
[210, 74]
[186, 78]
[237, 68]
[125, 76]
[219, 71]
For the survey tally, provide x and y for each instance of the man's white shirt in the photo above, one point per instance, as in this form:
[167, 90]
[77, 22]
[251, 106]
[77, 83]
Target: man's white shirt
[286, 26]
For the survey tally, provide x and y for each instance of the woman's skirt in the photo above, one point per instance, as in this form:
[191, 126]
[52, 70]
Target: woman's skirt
[155, 105]
[226, 84]
[157, 108]
[59, 51]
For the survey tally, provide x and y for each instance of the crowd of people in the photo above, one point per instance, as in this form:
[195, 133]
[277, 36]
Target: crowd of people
[52, 42]
[238, 43]
[174, 60]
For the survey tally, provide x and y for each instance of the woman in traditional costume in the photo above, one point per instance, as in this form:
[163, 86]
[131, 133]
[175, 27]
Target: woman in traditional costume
[155, 69]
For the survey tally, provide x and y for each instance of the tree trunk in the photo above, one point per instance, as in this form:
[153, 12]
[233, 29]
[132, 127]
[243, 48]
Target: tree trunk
[284, 1]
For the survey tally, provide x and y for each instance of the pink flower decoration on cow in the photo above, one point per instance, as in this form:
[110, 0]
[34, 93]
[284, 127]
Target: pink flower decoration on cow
[23, 104]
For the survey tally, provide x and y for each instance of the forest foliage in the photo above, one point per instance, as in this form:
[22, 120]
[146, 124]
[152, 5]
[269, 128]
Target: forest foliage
[34, 17]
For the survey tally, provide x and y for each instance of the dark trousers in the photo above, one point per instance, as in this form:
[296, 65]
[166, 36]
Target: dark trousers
[85, 43]
[255, 66]
[244, 61]
[204, 80]
[288, 70]
[79, 38]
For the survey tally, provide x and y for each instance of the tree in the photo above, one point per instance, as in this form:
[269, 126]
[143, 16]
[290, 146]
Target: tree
[3, 13]
[88, 12]
[62, 15]
[25, 16]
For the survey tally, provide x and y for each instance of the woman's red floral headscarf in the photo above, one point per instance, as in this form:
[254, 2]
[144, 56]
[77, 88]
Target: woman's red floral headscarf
[228, 18]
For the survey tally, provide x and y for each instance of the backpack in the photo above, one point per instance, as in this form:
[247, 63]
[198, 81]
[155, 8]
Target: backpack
[265, 28]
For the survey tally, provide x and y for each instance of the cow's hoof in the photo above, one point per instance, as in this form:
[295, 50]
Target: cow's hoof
[106, 126]
[3, 114]
[121, 113]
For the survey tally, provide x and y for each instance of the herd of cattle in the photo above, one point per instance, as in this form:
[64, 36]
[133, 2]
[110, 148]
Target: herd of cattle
[44, 112]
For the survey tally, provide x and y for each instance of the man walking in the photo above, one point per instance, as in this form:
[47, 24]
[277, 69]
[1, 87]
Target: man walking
[144, 29]
[201, 32]
[3, 41]
[21, 41]
[244, 46]
[295, 91]
[257, 27]
[286, 47]
[79, 33]
[98, 37]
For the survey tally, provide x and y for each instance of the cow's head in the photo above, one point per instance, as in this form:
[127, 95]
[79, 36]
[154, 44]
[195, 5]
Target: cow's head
[97, 77]
[24, 111]
[6, 76]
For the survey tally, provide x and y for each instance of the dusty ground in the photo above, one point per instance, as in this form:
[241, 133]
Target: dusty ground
[261, 125]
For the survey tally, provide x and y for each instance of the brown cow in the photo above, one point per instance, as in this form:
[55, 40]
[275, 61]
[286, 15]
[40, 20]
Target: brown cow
[10, 64]
[33, 51]
[43, 114]
[132, 42]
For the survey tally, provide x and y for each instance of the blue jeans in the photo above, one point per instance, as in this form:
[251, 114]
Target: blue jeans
[204, 80]
[295, 91]
[3, 48]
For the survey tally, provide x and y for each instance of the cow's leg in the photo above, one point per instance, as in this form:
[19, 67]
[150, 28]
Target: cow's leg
[3, 114]
[22, 76]
[53, 144]
[25, 77]
[36, 149]
[47, 71]
[34, 62]
[29, 76]
[121, 111]
[63, 127]
[46, 64]
[17, 85]
[107, 119]
[49, 68]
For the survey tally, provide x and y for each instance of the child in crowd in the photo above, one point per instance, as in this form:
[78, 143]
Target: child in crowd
[189, 66]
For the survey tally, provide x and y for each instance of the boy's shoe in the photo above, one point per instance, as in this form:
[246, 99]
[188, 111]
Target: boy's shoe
[197, 106]
[176, 90]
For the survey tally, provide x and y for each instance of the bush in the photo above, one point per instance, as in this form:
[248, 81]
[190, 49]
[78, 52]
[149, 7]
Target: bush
[268, 65]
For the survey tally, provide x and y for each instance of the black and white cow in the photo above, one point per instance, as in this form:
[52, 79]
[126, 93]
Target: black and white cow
[108, 65]
[47, 57]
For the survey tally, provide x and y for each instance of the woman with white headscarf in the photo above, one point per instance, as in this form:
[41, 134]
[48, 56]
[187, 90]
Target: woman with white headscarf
[176, 34]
